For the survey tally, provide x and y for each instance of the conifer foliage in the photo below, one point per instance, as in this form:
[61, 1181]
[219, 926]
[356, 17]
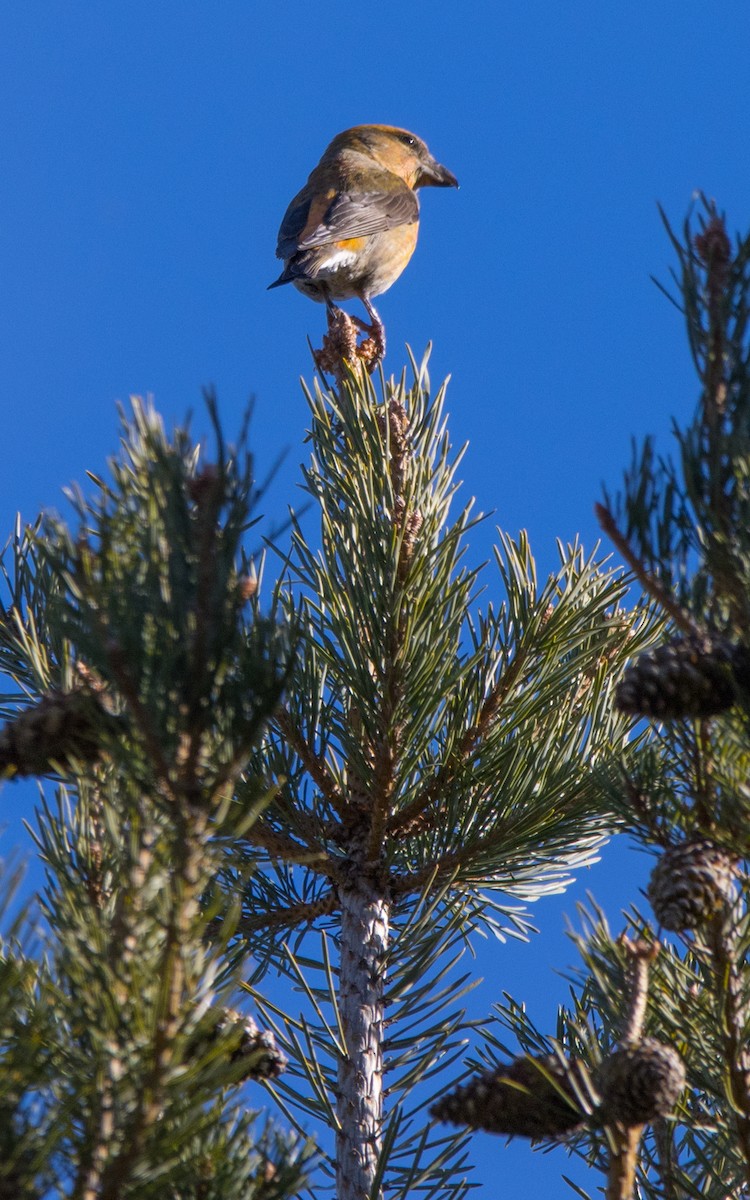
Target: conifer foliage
[344, 792]
[140, 673]
[431, 766]
[662, 1027]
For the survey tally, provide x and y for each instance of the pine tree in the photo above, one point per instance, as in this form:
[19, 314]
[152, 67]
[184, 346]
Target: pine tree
[431, 766]
[653, 1051]
[346, 793]
[141, 672]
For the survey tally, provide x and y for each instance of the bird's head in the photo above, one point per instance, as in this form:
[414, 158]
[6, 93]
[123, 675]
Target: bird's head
[396, 150]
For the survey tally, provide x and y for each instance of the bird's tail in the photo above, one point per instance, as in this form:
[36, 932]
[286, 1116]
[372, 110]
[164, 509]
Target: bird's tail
[284, 277]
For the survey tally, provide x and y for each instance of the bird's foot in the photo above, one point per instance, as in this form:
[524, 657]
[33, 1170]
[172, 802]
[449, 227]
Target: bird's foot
[372, 349]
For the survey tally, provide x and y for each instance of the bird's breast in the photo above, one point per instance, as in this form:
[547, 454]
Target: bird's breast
[367, 265]
[387, 255]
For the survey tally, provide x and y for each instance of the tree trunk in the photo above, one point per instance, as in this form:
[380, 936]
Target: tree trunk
[364, 940]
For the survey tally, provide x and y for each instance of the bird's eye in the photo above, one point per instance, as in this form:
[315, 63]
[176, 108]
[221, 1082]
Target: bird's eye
[407, 139]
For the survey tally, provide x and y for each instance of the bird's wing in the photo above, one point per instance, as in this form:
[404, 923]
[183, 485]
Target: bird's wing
[335, 216]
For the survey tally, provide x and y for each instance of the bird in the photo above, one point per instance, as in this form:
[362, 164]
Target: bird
[351, 230]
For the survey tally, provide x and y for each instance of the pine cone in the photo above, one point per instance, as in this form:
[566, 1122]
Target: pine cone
[62, 727]
[687, 677]
[263, 1059]
[639, 1083]
[531, 1097]
[690, 883]
[256, 1048]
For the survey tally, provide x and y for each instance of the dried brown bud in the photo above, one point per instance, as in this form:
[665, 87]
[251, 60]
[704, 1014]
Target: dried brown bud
[369, 353]
[89, 677]
[412, 526]
[398, 421]
[267, 1181]
[339, 344]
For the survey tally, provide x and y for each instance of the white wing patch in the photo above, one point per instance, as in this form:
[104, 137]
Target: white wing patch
[335, 258]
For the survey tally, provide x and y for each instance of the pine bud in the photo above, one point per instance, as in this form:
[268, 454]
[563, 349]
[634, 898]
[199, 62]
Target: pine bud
[640, 1083]
[713, 246]
[687, 677]
[531, 1097]
[203, 485]
[690, 883]
[247, 586]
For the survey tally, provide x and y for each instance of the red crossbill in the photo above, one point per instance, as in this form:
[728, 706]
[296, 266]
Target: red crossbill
[353, 228]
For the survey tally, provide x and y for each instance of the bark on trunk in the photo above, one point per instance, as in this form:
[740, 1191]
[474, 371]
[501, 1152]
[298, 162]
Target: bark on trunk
[364, 940]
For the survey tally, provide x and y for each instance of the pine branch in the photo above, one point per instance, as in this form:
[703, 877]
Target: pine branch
[312, 762]
[411, 818]
[385, 755]
[407, 522]
[729, 987]
[455, 865]
[309, 827]
[127, 687]
[359, 1109]
[623, 1163]
[278, 845]
[641, 955]
[650, 585]
[207, 490]
[294, 915]
[149, 599]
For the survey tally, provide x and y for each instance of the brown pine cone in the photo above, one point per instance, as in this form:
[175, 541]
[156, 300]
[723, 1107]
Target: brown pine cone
[62, 727]
[530, 1097]
[639, 1083]
[687, 677]
[690, 883]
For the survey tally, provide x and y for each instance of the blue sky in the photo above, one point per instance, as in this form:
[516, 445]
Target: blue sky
[147, 154]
